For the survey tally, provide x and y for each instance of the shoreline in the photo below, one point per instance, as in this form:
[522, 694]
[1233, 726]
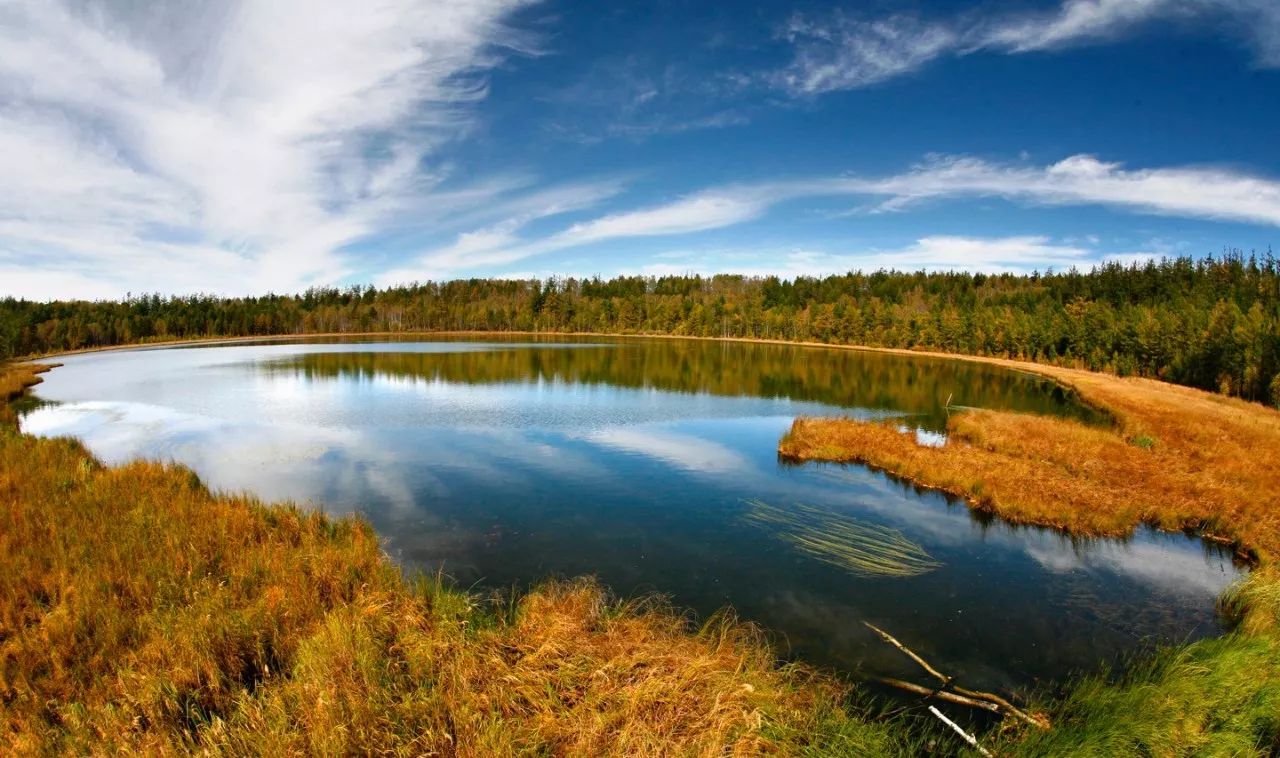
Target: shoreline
[1040, 370]
[993, 360]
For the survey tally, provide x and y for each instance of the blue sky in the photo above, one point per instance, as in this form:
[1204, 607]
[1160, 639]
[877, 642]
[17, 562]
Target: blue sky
[244, 147]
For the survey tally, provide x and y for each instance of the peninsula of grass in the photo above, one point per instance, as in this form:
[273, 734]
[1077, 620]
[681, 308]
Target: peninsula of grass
[1175, 458]
[141, 613]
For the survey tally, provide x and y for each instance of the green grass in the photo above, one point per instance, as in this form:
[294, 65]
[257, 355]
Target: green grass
[1144, 441]
[1215, 697]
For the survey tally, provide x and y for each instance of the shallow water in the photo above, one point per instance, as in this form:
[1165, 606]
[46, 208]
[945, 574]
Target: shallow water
[649, 463]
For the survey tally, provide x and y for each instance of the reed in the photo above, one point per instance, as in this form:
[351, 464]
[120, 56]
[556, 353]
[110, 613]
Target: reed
[846, 543]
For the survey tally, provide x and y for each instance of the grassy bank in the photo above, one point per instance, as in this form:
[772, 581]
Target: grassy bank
[1176, 458]
[14, 381]
[141, 613]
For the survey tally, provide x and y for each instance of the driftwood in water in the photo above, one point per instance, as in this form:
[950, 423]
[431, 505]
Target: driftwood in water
[949, 697]
[974, 695]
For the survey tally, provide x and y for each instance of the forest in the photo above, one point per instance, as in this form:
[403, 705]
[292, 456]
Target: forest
[1211, 322]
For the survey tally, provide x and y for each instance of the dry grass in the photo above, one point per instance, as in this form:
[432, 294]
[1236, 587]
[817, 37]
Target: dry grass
[139, 613]
[1177, 458]
[14, 381]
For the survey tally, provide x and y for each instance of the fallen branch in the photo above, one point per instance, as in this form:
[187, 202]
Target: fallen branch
[1002, 704]
[969, 738]
[936, 674]
[949, 697]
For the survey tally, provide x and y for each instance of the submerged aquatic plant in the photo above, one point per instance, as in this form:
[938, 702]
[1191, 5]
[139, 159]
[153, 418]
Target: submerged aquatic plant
[860, 548]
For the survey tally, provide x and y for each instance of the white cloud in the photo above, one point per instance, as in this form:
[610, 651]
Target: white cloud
[1197, 192]
[1135, 258]
[850, 54]
[1079, 21]
[243, 146]
[500, 242]
[992, 255]
[946, 253]
[636, 95]
[164, 147]
[1169, 565]
[709, 210]
[500, 245]
[1188, 191]
[934, 253]
[842, 53]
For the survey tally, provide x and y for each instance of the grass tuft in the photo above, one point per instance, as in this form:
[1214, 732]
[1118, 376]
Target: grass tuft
[1144, 441]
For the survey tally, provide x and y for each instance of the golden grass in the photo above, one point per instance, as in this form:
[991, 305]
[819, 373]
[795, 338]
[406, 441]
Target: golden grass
[1177, 458]
[14, 381]
[139, 613]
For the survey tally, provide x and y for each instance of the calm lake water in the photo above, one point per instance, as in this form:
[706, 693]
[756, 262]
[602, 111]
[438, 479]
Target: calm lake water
[652, 464]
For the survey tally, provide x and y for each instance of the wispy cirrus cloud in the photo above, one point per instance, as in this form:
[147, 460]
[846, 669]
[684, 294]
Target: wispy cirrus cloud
[637, 96]
[230, 146]
[1199, 192]
[1191, 191]
[992, 255]
[1014, 254]
[501, 244]
[840, 52]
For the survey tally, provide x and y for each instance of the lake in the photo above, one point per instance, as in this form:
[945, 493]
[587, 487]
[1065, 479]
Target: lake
[652, 464]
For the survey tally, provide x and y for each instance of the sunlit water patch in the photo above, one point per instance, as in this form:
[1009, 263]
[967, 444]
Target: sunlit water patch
[652, 465]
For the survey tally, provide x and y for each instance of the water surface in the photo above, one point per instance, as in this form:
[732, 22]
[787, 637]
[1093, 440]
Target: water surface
[648, 463]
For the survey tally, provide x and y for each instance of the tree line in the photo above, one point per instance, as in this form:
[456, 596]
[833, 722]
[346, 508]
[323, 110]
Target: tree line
[1211, 322]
